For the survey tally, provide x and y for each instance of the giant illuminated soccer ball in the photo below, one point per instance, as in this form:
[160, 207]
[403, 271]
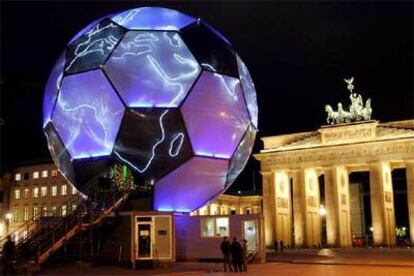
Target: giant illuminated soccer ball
[159, 91]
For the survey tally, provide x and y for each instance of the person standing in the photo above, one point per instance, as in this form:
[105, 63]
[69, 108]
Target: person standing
[244, 254]
[225, 250]
[8, 257]
[236, 254]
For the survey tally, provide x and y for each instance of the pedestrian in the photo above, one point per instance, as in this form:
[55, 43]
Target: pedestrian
[275, 245]
[244, 254]
[281, 245]
[8, 257]
[225, 250]
[236, 254]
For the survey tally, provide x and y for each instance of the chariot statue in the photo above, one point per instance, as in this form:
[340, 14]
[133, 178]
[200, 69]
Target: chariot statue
[356, 112]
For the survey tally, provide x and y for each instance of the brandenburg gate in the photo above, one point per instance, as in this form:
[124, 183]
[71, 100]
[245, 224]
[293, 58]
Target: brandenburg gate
[295, 161]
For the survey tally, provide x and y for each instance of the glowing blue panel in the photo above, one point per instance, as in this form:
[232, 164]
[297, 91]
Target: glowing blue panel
[152, 18]
[241, 156]
[91, 49]
[87, 115]
[191, 185]
[215, 115]
[152, 69]
[52, 88]
[248, 90]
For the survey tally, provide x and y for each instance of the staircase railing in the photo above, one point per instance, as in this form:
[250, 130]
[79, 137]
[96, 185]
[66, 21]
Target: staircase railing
[40, 239]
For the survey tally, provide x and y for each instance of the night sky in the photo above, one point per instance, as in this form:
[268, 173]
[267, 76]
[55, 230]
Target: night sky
[298, 54]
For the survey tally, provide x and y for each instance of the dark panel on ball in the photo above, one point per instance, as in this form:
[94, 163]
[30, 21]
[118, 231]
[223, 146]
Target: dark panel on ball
[92, 48]
[210, 50]
[59, 153]
[153, 142]
[241, 155]
[89, 169]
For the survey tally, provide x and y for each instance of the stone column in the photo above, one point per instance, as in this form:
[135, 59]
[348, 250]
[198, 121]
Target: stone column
[338, 215]
[409, 170]
[282, 207]
[298, 208]
[312, 202]
[382, 204]
[268, 206]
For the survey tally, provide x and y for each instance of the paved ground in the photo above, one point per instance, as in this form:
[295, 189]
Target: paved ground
[354, 262]
[255, 269]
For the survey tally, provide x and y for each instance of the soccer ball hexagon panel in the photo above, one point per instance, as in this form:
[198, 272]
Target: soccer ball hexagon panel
[158, 91]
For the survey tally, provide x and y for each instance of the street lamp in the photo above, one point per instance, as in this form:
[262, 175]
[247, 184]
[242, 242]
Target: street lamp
[9, 216]
[322, 210]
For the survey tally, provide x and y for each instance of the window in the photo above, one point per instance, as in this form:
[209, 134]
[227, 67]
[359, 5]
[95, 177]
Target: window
[63, 190]
[54, 190]
[44, 173]
[35, 212]
[54, 173]
[16, 214]
[35, 175]
[36, 192]
[26, 176]
[17, 194]
[74, 206]
[214, 227]
[207, 227]
[54, 210]
[64, 210]
[18, 177]
[44, 211]
[43, 191]
[74, 191]
[26, 193]
[26, 213]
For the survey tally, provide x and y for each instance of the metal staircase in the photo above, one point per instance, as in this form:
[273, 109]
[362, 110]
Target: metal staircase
[38, 238]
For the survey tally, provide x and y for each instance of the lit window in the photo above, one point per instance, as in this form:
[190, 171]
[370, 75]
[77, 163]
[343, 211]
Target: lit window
[26, 213]
[44, 211]
[74, 206]
[43, 191]
[44, 173]
[214, 227]
[35, 212]
[17, 194]
[222, 227]
[26, 193]
[207, 227]
[36, 192]
[54, 210]
[74, 191]
[64, 190]
[24, 234]
[54, 190]
[54, 172]
[35, 175]
[16, 214]
[64, 210]
[18, 177]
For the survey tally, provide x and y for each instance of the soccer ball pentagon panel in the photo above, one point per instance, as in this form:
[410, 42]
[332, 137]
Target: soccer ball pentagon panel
[158, 91]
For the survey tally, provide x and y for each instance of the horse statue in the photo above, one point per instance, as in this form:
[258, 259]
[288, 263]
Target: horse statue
[357, 110]
[367, 110]
[332, 115]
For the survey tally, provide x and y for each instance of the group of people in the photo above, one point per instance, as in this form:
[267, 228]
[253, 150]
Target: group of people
[234, 255]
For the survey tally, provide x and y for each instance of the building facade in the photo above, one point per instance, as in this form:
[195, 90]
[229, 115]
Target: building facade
[36, 191]
[226, 204]
[291, 166]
